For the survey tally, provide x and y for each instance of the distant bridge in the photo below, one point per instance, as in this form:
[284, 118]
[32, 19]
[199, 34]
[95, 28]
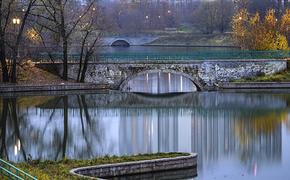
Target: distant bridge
[127, 41]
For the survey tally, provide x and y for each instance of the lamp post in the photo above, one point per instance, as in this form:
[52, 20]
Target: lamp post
[16, 22]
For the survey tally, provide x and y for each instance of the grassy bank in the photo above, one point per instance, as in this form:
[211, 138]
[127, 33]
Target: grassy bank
[46, 170]
[278, 77]
[195, 40]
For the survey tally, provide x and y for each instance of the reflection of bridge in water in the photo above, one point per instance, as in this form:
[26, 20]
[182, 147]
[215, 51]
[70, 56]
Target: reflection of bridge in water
[159, 83]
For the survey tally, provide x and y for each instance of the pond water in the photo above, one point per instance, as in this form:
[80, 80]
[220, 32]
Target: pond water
[163, 49]
[236, 135]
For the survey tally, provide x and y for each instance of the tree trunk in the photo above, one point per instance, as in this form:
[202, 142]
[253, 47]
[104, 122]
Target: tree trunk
[3, 150]
[65, 125]
[279, 8]
[4, 67]
[64, 36]
[14, 67]
[18, 40]
[81, 56]
[222, 20]
[87, 57]
[65, 59]
[5, 74]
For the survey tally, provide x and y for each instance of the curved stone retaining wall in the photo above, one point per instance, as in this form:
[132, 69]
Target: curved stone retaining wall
[138, 167]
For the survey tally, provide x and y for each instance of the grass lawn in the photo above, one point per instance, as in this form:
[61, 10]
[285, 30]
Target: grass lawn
[278, 77]
[45, 170]
[195, 40]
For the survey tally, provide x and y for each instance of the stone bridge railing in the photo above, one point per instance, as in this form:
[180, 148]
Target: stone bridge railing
[204, 74]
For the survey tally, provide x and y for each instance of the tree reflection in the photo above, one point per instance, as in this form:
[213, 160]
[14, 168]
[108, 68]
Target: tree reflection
[260, 136]
[3, 149]
[254, 124]
[37, 129]
[13, 112]
[65, 125]
[10, 122]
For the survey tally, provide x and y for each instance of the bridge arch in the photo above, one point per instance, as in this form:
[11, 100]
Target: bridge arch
[194, 80]
[121, 43]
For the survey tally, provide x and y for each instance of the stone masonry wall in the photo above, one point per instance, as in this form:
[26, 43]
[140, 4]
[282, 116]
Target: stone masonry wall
[137, 167]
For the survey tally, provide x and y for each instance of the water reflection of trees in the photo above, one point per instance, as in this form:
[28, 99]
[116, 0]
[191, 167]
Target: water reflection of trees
[252, 124]
[10, 119]
[40, 133]
[213, 125]
[260, 136]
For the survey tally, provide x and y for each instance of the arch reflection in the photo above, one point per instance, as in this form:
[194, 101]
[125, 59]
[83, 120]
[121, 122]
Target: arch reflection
[160, 83]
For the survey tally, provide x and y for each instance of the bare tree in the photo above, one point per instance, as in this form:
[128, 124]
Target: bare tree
[286, 4]
[61, 17]
[91, 33]
[224, 16]
[19, 35]
[5, 11]
[206, 17]
[8, 9]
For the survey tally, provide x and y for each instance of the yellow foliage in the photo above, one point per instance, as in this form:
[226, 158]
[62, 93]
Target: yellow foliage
[33, 36]
[281, 42]
[256, 34]
[255, 20]
[285, 22]
[240, 33]
[270, 19]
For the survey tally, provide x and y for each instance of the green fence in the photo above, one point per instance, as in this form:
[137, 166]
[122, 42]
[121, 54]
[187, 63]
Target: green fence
[202, 55]
[8, 171]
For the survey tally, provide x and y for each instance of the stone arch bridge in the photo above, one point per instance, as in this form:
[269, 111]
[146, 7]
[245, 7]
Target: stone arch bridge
[204, 74]
[127, 41]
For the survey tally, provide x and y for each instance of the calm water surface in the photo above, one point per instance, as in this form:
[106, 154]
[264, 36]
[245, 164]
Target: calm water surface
[163, 49]
[236, 135]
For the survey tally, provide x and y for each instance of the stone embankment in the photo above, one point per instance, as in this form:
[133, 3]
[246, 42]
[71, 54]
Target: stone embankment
[6, 88]
[138, 167]
[254, 85]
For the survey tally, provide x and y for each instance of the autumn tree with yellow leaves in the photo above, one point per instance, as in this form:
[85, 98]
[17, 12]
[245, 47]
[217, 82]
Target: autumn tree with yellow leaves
[255, 33]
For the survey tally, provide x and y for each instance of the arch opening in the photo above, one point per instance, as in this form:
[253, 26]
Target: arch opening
[121, 43]
[159, 83]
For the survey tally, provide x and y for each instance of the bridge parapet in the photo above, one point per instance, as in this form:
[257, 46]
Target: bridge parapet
[204, 74]
[172, 57]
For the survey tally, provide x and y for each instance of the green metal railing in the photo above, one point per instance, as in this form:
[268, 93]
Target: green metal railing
[190, 56]
[8, 171]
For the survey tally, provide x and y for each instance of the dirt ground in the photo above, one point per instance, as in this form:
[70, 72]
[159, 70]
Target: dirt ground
[27, 73]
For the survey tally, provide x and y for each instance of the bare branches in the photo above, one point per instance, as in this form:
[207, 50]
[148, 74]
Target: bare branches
[80, 18]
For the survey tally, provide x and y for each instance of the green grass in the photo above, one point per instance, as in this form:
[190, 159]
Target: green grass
[278, 77]
[45, 170]
[195, 40]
